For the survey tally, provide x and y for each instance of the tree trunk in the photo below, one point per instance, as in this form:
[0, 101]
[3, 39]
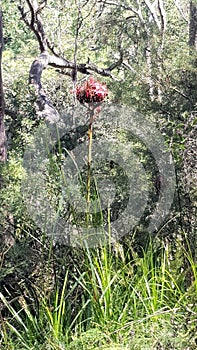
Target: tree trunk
[193, 26]
[189, 172]
[3, 150]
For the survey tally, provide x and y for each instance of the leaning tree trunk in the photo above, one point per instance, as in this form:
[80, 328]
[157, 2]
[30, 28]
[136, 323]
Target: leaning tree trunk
[3, 151]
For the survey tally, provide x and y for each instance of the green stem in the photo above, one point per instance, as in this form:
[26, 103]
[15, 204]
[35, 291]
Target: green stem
[90, 130]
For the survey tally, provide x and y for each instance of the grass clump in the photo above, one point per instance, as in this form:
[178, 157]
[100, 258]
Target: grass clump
[123, 303]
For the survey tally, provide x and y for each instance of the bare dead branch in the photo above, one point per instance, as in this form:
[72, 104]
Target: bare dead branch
[49, 57]
[56, 60]
[84, 68]
[35, 24]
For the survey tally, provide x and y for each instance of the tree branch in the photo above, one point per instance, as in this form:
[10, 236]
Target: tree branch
[85, 68]
[162, 15]
[49, 57]
[35, 24]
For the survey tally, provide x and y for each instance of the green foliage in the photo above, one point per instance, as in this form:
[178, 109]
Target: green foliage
[144, 300]
[111, 297]
[17, 37]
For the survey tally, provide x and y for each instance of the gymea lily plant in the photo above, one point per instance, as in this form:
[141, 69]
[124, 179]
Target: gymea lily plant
[93, 93]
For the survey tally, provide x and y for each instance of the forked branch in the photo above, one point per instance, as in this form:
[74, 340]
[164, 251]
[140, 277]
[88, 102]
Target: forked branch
[50, 57]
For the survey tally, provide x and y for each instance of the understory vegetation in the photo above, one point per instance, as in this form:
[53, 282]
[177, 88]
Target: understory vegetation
[98, 169]
[105, 299]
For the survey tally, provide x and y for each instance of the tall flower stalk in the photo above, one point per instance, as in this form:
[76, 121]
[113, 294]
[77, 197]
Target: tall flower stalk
[93, 93]
[90, 134]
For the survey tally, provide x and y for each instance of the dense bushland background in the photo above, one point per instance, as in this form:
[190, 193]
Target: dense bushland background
[137, 293]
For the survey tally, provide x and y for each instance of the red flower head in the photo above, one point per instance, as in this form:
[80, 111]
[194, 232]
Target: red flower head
[91, 91]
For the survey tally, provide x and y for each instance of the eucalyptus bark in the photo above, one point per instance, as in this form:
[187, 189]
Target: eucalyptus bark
[193, 26]
[3, 148]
